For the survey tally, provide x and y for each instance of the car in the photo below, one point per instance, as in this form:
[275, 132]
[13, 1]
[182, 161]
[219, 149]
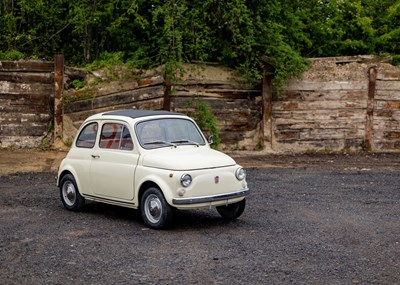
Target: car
[151, 160]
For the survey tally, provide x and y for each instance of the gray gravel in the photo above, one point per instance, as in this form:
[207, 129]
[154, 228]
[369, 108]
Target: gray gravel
[301, 226]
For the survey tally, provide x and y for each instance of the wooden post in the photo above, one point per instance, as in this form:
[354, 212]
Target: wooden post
[58, 96]
[167, 92]
[369, 126]
[266, 122]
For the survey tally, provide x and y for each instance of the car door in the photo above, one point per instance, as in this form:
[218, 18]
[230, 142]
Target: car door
[114, 162]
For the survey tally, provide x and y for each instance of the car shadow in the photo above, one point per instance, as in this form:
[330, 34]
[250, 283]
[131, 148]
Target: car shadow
[182, 219]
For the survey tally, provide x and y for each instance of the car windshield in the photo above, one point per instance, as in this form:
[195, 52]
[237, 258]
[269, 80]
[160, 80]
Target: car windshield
[168, 132]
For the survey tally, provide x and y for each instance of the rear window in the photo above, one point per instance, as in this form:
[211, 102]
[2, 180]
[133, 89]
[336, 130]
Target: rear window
[87, 136]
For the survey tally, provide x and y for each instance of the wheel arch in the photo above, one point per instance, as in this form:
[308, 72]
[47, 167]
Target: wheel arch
[163, 187]
[62, 174]
[68, 171]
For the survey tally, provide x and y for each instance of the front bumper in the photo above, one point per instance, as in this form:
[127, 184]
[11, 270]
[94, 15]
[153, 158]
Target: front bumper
[209, 199]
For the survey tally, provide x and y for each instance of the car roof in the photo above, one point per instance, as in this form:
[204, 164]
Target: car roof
[139, 113]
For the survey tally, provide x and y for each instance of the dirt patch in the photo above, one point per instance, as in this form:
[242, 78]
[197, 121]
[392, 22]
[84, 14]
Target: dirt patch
[23, 161]
[328, 161]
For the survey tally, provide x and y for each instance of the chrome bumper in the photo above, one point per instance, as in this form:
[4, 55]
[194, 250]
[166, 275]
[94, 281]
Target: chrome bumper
[208, 199]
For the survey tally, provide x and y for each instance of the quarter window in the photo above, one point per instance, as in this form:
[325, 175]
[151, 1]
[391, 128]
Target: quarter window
[87, 137]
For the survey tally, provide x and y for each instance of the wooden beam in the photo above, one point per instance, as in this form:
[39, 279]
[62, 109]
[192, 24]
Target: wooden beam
[369, 126]
[58, 96]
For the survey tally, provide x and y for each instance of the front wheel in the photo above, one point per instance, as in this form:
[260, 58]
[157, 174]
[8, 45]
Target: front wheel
[232, 211]
[156, 212]
[70, 196]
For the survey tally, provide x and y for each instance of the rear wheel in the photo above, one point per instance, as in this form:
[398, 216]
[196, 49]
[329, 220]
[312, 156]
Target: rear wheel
[156, 212]
[70, 196]
[232, 211]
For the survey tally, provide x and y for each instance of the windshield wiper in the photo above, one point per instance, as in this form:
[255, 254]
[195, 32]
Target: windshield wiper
[186, 141]
[160, 142]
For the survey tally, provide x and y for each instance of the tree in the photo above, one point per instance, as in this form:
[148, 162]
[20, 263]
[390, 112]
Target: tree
[236, 33]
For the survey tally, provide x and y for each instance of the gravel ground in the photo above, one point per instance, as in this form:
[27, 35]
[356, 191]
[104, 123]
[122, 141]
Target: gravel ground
[302, 225]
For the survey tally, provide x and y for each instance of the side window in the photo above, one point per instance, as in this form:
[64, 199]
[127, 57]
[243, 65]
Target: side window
[87, 137]
[115, 136]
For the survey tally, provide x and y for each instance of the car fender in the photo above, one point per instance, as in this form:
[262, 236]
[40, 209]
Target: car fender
[68, 168]
[166, 188]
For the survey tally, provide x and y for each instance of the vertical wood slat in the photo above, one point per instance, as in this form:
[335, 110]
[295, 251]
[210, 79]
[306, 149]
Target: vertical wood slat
[369, 124]
[58, 95]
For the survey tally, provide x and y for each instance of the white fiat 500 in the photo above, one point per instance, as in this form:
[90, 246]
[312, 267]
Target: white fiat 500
[155, 161]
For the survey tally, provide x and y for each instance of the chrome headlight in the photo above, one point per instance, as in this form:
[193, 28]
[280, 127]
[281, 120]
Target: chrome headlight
[240, 174]
[186, 180]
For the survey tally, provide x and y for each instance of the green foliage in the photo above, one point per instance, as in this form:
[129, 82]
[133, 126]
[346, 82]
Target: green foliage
[11, 55]
[235, 33]
[106, 60]
[78, 84]
[396, 60]
[205, 119]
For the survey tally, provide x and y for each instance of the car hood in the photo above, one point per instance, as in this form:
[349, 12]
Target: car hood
[186, 158]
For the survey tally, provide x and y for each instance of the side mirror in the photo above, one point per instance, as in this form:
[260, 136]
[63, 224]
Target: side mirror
[211, 140]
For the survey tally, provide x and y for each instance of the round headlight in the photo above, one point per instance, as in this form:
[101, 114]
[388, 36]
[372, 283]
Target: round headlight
[240, 174]
[186, 180]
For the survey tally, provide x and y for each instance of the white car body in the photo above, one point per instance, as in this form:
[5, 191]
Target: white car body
[105, 170]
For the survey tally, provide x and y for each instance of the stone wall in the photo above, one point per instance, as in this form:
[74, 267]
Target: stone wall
[26, 103]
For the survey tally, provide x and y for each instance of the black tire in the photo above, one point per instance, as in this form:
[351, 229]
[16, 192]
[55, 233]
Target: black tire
[70, 196]
[156, 213]
[232, 211]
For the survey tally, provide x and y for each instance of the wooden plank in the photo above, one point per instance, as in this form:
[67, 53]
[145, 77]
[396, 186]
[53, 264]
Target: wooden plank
[118, 87]
[387, 95]
[386, 105]
[386, 125]
[324, 86]
[27, 66]
[388, 85]
[14, 118]
[332, 124]
[220, 95]
[318, 105]
[33, 129]
[26, 99]
[114, 100]
[387, 75]
[327, 95]
[28, 77]
[25, 88]
[25, 108]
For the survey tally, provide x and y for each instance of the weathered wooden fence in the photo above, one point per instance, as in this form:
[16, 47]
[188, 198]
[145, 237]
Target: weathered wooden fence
[235, 106]
[347, 103]
[235, 103]
[386, 116]
[26, 103]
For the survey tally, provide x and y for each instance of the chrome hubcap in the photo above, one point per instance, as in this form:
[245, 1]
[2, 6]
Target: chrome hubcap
[153, 208]
[69, 193]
